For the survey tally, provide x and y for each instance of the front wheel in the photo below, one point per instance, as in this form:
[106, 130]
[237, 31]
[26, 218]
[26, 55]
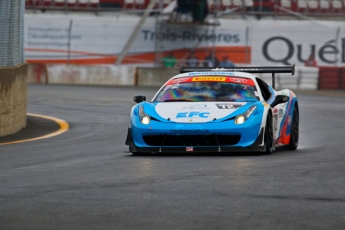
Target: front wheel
[293, 144]
[269, 135]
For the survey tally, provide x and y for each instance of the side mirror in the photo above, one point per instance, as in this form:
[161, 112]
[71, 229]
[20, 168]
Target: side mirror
[139, 98]
[279, 99]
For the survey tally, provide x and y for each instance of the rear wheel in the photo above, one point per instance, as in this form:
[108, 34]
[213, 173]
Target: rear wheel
[293, 144]
[269, 135]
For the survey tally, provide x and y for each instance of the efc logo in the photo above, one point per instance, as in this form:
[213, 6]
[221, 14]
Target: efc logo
[193, 115]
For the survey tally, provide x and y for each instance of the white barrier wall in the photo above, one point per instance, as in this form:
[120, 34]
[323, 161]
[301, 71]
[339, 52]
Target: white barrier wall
[304, 78]
[91, 75]
[155, 76]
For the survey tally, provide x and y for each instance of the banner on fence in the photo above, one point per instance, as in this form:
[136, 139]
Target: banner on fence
[81, 39]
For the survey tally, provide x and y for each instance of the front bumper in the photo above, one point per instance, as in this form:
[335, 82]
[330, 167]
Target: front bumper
[256, 146]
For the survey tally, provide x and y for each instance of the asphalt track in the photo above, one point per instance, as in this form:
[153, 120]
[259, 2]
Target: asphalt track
[83, 179]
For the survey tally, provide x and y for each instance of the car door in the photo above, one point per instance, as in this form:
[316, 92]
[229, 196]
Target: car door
[269, 98]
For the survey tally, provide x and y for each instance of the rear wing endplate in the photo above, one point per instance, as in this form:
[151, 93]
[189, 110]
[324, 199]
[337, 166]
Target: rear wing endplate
[251, 69]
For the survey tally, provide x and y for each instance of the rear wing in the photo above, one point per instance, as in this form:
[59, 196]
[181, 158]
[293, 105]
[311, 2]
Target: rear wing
[250, 69]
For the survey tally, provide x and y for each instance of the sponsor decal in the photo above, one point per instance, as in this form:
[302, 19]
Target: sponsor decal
[246, 100]
[211, 73]
[178, 80]
[294, 51]
[275, 123]
[209, 79]
[228, 106]
[238, 80]
[275, 110]
[289, 120]
[179, 131]
[195, 107]
[189, 149]
[192, 115]
[281, 112]
[187, 35]
[189, 126]
[265, 104]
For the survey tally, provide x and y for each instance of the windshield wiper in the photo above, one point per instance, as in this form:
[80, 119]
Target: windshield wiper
[176, 100]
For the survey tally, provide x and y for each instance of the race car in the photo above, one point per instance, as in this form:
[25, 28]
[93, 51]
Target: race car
[216, 110]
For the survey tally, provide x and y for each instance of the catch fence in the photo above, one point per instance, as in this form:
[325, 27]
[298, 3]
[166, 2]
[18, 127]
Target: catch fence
[11, 35]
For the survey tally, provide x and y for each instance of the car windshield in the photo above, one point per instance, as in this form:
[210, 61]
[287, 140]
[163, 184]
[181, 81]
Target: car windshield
[195, 91]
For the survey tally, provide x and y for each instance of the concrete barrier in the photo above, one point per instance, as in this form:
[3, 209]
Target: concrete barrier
[37, 73]
[308, 77]
[304, 78]
[91, 74]
[13, 99]
[154, 76]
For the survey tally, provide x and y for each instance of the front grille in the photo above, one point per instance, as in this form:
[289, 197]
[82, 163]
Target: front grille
[191, 140]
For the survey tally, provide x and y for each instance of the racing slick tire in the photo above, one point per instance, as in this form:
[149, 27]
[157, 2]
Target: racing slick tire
[269, 135]
[293, 144]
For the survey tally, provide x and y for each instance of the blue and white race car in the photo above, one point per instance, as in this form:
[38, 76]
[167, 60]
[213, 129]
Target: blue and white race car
[216, 110]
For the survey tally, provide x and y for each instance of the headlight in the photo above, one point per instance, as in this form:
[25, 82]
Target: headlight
[143, 117]
[240, 119]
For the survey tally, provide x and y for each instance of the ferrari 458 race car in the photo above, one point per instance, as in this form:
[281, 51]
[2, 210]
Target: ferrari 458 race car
[216, 110]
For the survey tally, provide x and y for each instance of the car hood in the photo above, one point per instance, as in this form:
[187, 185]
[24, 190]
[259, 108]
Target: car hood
[196, 112]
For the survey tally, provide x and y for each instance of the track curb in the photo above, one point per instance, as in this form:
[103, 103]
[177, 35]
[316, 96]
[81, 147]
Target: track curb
[63, 128]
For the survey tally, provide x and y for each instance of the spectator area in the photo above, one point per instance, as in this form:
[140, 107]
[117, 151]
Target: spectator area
[278, 7]
[90, 4]
[307, 7]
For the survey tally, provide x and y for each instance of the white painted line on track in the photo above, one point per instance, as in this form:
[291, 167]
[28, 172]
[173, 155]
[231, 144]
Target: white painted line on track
[63, 128]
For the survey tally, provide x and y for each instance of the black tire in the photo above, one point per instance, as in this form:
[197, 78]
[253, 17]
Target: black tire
[293, 144]
[269, 135]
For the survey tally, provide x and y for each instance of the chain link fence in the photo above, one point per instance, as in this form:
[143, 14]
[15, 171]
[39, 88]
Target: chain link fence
[11, 32]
